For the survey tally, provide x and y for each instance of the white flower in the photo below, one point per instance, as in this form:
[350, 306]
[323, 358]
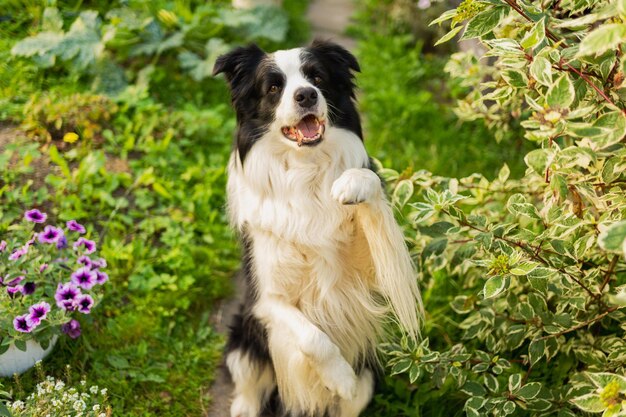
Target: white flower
[103, 391]
[96, 407]
[94, 389]
[17, 405]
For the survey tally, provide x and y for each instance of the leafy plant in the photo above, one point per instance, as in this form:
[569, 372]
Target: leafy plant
[536, 263]
[37, 298]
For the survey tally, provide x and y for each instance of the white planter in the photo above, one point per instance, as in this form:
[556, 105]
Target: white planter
[14, 361]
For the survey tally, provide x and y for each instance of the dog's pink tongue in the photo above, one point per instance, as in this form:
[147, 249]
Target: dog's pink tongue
[308, 126]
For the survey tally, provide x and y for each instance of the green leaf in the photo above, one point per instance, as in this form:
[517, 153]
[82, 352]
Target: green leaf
[509, 407]
[612, 238]
[535, 36]
[20, 345]
[515, 380]
[590, 403]
[604, 38]
[449, 35]
[4, 411]
[515, 78]
[541, 70]
[403, 192]
[602, 379]
[561, 94]
[447, 15]
[529, 391]
[484, 22]
[539, 160]
[524, 268]
[536, 350]
[494, 286]
[474, 389]
[52, 20]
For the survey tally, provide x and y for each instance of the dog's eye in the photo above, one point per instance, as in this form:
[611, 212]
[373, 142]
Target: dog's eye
[317, 80]
[274, 89]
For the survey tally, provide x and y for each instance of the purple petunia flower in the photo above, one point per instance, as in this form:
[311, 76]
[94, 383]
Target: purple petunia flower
[99, 263]
[71, 328]
[21, 324]
[62, 243]
[66, 295]
[43, 267]
[38, 312]
[84, 278]
[14, 281]
[90, 245]
[101, 277]
[3, 245]
[35, 216]
[84, 303]
[15, 289]
[29, 288]
[17, 254]
[50, 234]
[86, 261]
[74, 226]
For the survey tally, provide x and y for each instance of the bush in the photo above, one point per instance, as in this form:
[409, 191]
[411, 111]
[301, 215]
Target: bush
[536, 264]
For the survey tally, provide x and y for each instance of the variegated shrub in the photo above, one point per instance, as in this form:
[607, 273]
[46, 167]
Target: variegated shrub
[535, 264]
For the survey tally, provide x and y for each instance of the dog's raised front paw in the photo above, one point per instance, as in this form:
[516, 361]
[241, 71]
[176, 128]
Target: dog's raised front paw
[356, 186]
[338, 376]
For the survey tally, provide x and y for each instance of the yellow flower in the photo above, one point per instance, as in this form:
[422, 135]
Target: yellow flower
[70, 137]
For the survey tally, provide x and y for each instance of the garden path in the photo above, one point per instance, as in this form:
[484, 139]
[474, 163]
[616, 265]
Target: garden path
[329, 19]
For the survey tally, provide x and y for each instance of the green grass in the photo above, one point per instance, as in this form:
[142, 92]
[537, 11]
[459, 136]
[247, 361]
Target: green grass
[151, 187]
[406, 103]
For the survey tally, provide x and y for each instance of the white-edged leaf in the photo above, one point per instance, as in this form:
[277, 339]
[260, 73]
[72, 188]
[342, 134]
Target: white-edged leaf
[484, 22]
[494, 286]
[604, 38]
[561, 94]
[590, 403]
[612, 238]
[403, 192]
[535, 36]
[449, 35]
[541, 70]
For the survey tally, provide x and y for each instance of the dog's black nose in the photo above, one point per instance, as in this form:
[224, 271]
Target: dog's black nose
[305, 97]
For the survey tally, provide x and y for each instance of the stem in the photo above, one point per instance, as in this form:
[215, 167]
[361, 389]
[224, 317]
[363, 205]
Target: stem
[609, 273]
[581, 325]
[531, 251]
[562, 43]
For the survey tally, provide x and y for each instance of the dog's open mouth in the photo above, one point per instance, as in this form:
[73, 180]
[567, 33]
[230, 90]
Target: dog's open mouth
[308, 131]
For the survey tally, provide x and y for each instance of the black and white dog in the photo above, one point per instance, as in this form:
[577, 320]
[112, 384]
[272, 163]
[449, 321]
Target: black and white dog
[325, 262]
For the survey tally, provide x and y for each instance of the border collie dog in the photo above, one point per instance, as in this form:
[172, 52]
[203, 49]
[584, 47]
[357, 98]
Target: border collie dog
[325, 263]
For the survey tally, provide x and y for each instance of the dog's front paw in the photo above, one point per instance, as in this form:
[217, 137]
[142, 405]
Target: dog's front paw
[339, 378]
[356, 186]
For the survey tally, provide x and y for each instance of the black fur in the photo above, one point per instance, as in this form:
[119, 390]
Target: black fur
[251, 73]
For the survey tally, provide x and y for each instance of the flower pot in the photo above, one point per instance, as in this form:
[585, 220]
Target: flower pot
[14, 361]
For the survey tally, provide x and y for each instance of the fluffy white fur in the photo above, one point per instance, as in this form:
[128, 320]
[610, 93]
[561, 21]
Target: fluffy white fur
[330, 261]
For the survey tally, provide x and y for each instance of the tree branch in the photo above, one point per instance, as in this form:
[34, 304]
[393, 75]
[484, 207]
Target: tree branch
[581, 325]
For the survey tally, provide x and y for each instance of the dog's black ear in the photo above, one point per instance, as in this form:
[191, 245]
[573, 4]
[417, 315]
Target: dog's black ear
[335, 54]
[238, 63]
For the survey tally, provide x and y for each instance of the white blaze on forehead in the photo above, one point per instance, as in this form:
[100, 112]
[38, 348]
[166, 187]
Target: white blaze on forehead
[290, 63]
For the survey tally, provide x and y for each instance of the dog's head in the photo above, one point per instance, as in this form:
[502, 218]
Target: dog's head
[291, 96]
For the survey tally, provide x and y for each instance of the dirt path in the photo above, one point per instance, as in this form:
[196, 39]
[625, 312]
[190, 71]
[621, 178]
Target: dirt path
[329, 19]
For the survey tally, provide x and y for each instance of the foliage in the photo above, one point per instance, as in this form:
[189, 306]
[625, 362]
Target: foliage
[138, 39]
[47, 275]
[50, 117]
[537, 263]
[408, 121]
[57, 397]
[151, 181]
